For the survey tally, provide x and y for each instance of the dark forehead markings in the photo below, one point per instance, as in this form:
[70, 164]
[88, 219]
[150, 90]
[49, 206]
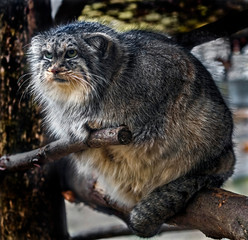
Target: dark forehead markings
[60, 42]
[71, 45]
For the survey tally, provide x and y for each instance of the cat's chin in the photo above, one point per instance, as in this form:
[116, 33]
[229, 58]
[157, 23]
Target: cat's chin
[63, 91]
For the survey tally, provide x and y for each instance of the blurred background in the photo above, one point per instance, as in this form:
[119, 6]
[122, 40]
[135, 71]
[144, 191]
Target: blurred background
[225, 58]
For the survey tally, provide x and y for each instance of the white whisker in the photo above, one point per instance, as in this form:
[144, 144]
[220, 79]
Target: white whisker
[98, 77]
[78, 81]
[23, 76]
[24, 93]
[99, 80]
[94, 79]
[82, 82]
[24, 83]
[81, 79]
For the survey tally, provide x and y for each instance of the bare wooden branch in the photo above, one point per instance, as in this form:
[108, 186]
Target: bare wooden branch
[217, 213]
[58, 149]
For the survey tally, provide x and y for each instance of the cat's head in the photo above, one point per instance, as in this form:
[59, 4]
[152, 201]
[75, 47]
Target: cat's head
[72, 64]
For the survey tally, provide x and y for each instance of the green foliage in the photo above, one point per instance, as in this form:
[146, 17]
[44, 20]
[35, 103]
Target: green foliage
[158, 15]
[124, 15]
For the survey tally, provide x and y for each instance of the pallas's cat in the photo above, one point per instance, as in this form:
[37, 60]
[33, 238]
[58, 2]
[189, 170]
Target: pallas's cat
[87, 75]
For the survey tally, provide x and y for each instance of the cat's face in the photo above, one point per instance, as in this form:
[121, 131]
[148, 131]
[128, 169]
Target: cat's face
[59, 68]
[65, 67]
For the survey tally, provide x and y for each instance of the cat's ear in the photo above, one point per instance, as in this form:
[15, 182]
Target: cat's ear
[38, 39]
[100, 42]
[36, 43]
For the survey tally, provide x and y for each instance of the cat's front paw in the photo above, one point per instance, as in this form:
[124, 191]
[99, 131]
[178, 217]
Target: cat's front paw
[142, 224]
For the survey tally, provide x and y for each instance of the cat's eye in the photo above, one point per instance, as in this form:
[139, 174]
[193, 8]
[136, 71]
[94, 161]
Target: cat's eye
[71, 53]
[48, 55]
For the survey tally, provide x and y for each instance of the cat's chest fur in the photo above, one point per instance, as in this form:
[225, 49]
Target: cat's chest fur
[128, 173]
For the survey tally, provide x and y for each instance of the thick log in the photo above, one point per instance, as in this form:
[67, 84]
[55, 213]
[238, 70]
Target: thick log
[217, 213]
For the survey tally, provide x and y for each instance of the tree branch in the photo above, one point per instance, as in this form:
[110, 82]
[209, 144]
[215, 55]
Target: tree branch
[58, 149]
[217, 213]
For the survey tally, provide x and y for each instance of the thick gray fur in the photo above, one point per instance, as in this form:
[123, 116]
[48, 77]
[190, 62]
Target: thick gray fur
[182, 128]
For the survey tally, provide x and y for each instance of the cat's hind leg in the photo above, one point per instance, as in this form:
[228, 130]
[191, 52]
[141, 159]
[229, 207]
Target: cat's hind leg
[151, 212]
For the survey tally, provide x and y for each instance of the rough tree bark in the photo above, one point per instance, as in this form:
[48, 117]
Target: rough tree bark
[31, 205]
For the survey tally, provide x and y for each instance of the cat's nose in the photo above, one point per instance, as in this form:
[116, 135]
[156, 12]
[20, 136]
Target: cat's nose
[54, 70]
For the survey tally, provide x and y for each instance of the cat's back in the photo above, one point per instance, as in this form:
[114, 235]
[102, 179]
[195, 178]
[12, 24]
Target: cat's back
[179, 85]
